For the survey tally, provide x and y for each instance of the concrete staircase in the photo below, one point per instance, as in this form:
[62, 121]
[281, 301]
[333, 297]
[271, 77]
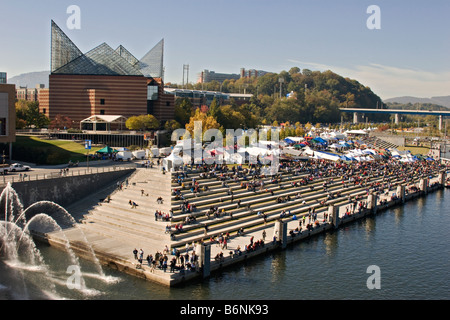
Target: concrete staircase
[114, 228]
[263, 200]
[137, 226]
[116, 219]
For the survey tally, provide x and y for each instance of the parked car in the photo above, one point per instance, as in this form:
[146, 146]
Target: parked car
[4, 168]
[18, 167]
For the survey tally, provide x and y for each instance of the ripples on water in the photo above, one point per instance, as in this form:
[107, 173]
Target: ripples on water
[409, 244]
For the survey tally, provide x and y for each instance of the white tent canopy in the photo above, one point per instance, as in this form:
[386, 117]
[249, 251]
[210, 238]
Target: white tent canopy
[172, 161]
[332, 135]
[355, 132]
[326, 155]
[296, 139]
[104, 119]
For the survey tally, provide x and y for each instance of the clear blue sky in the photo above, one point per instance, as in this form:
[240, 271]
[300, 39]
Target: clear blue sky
[409, 55]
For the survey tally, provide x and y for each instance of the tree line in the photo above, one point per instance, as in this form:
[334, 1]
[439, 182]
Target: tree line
[302, 96]
[296, 96]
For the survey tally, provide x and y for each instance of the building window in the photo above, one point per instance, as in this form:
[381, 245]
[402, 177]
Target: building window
[152, 93]
[167, 103]
[44, 111]
[2, 126]
[102, 101]
[102, 112]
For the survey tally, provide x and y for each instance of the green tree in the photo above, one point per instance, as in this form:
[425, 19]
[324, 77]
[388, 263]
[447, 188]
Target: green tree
[294, 70]
[172, 125]
[28, 115]
[183, 110]
[142, 122]
[230, 118]
[284, 110]
[214, 108]
[37, 119]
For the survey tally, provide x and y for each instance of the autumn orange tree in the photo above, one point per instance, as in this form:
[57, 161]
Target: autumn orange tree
[61, 122]
[208, 122]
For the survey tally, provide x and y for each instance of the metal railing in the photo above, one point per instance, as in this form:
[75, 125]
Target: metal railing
[26, 176]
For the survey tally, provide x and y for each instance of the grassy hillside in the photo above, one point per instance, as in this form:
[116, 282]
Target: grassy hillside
[50, 152]
[415, 150]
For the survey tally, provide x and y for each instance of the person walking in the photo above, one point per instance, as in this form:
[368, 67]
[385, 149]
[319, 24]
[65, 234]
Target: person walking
[149, 260]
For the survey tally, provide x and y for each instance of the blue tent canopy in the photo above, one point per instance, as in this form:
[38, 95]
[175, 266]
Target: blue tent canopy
[287, 140]
[319, 139]
[347, 158]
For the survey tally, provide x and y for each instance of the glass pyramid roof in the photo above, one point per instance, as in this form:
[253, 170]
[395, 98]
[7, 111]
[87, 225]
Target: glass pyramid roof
[63, 50]
[102, 60]
[124, 53]
[151, 65]
[66, 58]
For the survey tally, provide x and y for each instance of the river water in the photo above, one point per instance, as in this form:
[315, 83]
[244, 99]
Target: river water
[408, 244]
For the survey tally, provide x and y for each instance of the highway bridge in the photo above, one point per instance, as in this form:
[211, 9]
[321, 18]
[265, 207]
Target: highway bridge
[358, 113]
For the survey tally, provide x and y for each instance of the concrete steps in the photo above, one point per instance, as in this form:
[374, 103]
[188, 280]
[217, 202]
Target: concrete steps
[117, 220]
[137, 240]
[211, 196]
[223, 226]
[146, 205]
[148, 225]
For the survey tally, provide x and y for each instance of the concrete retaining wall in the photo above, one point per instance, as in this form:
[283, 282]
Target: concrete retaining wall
[66, 190]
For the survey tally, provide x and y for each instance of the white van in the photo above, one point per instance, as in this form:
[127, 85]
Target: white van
[139, 154]
[124, 155]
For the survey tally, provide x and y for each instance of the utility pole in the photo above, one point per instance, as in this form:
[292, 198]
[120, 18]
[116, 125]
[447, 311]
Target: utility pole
[186, 70]
[281, 81]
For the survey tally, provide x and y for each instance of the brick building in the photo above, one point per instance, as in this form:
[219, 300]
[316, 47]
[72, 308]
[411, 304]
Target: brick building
[29, 94]
[104, 81]
[7, 117]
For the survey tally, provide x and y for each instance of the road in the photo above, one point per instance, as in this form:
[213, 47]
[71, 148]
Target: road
[47, 172]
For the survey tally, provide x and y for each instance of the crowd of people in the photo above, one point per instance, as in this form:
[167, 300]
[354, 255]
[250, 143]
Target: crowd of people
[348, 174]
[251, 178]
[174, 261]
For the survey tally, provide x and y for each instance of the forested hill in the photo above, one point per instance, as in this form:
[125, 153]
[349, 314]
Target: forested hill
[416, 106]
[305, 96]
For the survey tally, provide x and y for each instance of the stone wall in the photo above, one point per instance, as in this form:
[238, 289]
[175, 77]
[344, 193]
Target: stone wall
[66, 190]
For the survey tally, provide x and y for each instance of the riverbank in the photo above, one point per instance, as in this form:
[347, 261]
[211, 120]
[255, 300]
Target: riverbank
[118, 254]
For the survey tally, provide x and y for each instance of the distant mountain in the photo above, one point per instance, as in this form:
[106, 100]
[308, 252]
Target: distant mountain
[442, 101]
[30, 79]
